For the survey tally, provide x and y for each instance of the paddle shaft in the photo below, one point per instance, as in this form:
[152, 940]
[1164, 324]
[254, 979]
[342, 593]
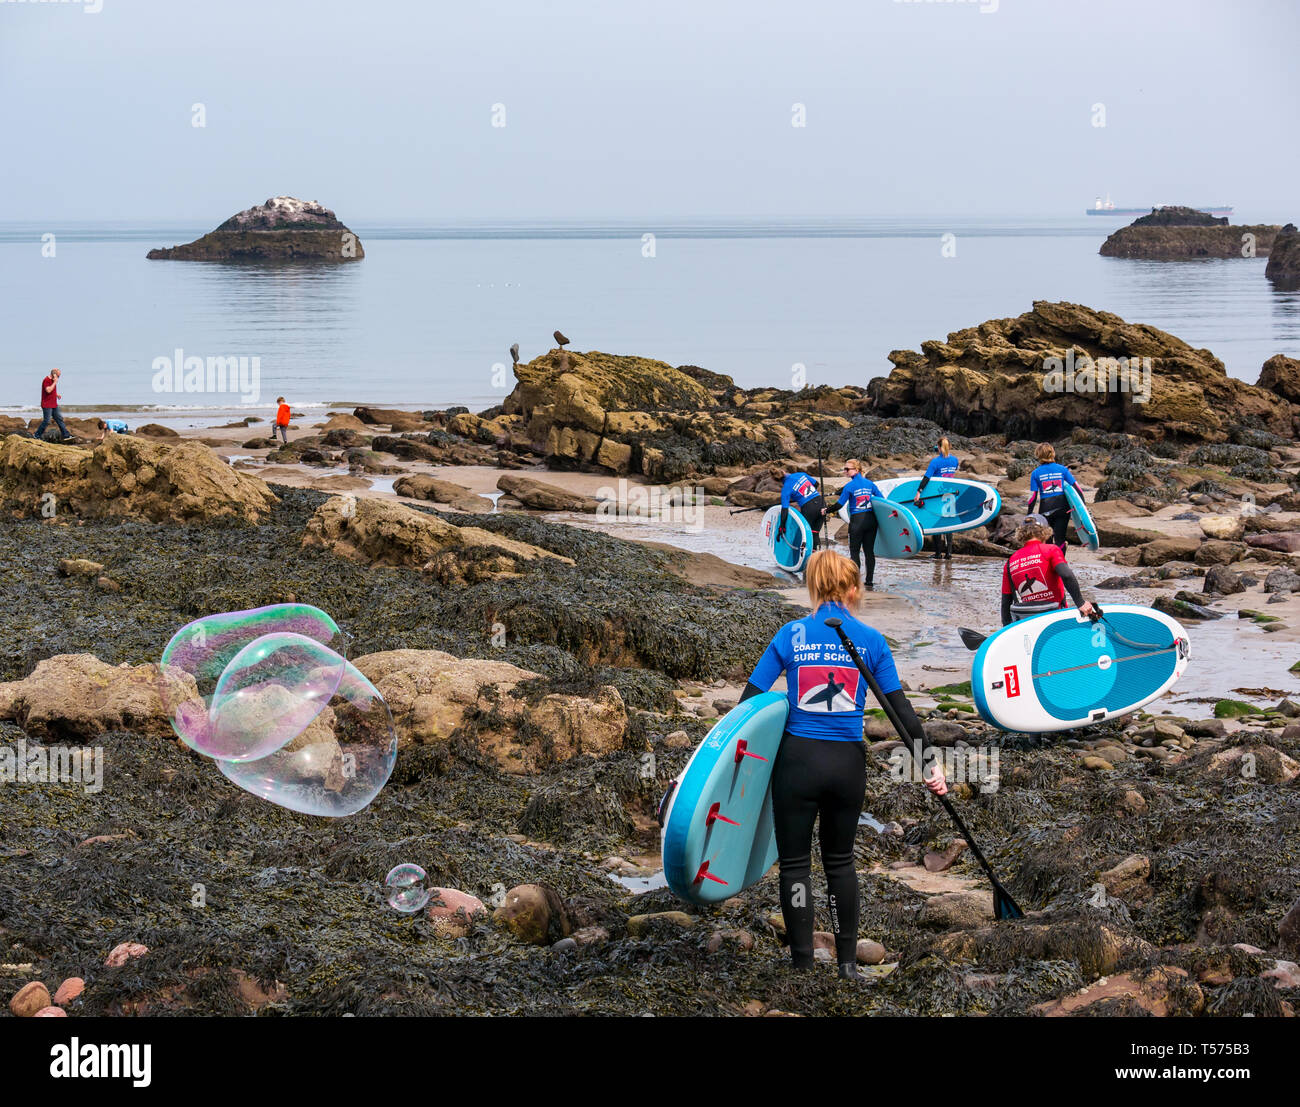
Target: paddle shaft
[821, 487]
[917, 750]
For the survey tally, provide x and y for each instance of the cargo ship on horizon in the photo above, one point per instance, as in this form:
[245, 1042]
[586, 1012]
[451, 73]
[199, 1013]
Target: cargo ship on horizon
[1107, 207]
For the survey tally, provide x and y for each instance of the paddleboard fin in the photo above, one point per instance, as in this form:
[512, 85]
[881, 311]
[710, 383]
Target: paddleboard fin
[713, 817]
[742, 750]
[704, 874]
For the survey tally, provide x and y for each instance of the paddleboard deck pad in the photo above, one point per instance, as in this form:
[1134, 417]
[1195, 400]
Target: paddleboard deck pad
[1084, 527]
[1061, 670]
[792, 550]
[950, 504]
[899, 534]
[718, 835]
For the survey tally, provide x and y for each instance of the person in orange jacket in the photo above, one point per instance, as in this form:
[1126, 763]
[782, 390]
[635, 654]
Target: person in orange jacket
[282, 420]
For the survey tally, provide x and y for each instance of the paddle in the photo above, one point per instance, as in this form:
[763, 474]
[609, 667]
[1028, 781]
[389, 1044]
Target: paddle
[971, 639]
[742, 510]
[1004, 907]
[821, 487]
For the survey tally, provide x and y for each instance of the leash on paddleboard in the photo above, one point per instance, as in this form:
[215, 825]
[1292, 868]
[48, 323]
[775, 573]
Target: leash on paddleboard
[1004, 907]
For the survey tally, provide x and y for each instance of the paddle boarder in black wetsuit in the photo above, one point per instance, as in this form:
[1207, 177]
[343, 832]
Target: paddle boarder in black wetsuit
[1036, 577]
[820, 769]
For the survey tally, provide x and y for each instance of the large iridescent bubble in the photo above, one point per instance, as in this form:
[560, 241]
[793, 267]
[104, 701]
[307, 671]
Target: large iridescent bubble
[283, 714]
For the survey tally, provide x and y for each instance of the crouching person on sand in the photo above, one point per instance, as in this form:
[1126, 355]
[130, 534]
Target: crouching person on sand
[821, 767]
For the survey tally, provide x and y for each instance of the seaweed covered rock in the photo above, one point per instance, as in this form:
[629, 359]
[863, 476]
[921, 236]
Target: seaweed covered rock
[1049, 371]
[78, 697]
[282, 229]
[1181, 233]
[125, 476]
[1283, 267]
[1165, 990]
[377, 532]
[435, 697]
[1281, 374]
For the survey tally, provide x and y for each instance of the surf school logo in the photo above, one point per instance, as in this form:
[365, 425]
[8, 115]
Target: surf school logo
[830, 688]
[1011, 679]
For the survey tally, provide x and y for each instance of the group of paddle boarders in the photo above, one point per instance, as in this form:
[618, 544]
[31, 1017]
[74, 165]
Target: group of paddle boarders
[819, 773]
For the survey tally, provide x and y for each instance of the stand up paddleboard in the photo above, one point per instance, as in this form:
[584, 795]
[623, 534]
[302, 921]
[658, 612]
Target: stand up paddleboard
[899, 534]
[949, 504]
[1084, 527]
[718, 835]
[793, 549]
[1061, 670]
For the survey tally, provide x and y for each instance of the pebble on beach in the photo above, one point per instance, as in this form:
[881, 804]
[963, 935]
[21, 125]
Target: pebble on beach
[124, 952]
[29, 999]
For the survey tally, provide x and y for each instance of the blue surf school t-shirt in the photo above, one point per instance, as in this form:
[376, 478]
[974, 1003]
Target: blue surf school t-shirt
[798, 486]
[941, 466]
[1049, 480]
[857, 494]
[827, 693]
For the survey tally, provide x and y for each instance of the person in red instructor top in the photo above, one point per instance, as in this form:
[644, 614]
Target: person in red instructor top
[1036, 577]
[282, 419]
[50, 405]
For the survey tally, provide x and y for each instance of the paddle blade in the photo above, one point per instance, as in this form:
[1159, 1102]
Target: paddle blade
[971, 639]
[1004, 907]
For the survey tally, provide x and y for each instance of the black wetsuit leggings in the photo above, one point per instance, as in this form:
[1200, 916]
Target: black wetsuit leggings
[862, 540]
[942, 543]
[813, 511]
[814, 777]
[1059, 517]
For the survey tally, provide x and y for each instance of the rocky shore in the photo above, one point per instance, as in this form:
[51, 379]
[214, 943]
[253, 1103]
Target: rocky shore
[550, 666]
[282, 229]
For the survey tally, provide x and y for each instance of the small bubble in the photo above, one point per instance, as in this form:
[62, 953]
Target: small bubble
[408, 889]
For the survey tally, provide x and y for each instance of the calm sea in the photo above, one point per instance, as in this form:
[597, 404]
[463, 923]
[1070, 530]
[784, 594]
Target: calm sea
[427, 318]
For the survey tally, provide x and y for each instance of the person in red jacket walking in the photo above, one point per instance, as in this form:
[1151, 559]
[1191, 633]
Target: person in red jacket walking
[282, 420]
[50, 405]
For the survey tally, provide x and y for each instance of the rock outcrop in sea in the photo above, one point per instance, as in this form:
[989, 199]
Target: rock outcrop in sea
[1045, 373]
[1283, 267]
[1181, 233]
[282, 229]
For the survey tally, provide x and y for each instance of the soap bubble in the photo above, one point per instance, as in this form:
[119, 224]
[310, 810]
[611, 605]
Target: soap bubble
[407, 888]
[341, 759]
[269, 696]
[204, 650]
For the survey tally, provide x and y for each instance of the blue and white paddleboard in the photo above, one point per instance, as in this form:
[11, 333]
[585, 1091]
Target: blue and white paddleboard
[718, 836]
[792, 550]
[899, 533]
[1060, 670]
[950, 503]
[1084, 527]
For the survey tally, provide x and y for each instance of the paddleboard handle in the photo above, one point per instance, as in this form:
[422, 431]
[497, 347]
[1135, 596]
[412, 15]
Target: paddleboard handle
[742, 751]
[704, 874]
[713, 817]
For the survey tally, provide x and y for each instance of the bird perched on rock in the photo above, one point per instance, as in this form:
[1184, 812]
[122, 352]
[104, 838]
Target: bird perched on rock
[514, 353]
[561, 339]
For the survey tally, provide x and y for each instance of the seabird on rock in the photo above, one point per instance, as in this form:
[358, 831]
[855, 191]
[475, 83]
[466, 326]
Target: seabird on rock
[561, 339]
[514, 353]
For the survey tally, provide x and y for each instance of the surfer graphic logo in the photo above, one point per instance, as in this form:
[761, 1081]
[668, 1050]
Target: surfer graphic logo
[828, 688]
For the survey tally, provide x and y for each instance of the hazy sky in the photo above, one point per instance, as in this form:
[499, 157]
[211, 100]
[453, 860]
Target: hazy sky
[383, 110]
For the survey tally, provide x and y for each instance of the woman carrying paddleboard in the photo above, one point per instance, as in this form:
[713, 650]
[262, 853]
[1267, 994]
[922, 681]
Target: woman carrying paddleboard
[856, 496]
[942, 465]
[1036, 578]
[820, 769]
[807, 496]
[1047, 488]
